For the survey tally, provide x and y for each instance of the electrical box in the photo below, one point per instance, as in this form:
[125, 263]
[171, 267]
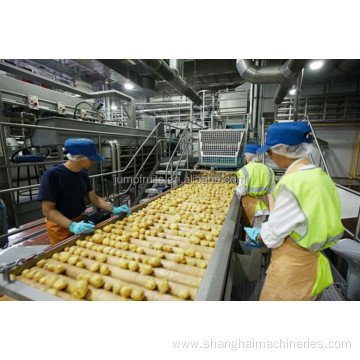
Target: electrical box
[83, 113]
[61, 109]
[33, 102]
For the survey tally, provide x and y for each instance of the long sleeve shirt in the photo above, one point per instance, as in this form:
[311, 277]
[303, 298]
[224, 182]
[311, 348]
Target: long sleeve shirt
[286, 216]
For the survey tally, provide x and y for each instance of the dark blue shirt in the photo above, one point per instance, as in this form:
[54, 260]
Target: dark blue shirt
[66, 188]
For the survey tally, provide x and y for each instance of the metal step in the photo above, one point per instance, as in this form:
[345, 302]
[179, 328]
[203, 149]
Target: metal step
[175, 163]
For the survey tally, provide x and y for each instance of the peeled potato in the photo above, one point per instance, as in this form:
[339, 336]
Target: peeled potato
[59, 284]
[137, 294]
[133, 265]
[104, 269]
[95, 267]
[124, 264]
[97, 281]
[146, 269]
[154, 261]
[80, 289]
[41, 263]
[163, 286]
[126, 291]
[150, 283]
[183, 294]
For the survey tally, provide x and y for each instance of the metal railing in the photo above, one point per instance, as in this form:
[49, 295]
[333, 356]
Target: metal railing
[153, 134]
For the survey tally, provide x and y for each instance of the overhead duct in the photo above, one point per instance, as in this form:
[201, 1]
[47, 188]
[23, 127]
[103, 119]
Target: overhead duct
[172, 76]
[284, 75]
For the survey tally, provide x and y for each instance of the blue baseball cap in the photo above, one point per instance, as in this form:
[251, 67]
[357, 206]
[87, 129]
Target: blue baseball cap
[251, 148]
[85, 147]
[290, 133]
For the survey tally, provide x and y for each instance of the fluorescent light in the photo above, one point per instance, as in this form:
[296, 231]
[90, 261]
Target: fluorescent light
[129, 86]
[292, 92]
[316, 64]
[113, 107]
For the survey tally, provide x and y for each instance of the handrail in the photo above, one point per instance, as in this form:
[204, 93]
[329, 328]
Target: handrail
[174, 152]
[318, 146]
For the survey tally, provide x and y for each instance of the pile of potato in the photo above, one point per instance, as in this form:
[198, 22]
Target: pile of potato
[159, 252]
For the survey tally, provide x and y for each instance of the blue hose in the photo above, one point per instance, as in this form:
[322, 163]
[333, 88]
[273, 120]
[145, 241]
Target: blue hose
[3, 241]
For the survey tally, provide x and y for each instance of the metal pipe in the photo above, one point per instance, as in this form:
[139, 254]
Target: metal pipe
[172, 76]
[297, 96]
[276, 74]
[58, 85]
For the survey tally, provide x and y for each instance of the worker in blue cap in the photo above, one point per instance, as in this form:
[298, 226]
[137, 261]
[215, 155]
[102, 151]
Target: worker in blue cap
[256, 180]
[63, 190]
[305, 218]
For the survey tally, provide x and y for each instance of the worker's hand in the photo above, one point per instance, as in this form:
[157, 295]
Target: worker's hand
[253, 234]
[82, 226]
[118, 210]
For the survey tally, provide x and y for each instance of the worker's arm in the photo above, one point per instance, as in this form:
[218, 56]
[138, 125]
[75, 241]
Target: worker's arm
[98, 201]
[241, 188]
[50, 212]
[285, 218]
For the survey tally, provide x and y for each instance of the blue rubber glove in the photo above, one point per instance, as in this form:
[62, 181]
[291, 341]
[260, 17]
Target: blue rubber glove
[118, 210]
[79, 227]
[253, 234]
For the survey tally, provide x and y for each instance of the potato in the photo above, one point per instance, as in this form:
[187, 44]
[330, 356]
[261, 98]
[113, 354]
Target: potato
[97, 281]
[203, 264]
[80, 289]
[146, 269]
[137, 294]
[132, 247]
[49, 267]
[140, 250]
[104, 269]
[55, 256]
[190, 252]
[94, 267]
[41, 263]
[154, 261]
[64, 256]
[198, 255]
[116, 288]
[163, 286]
[167, 248]
[80, 264]
[124, 264]
[59, 268]
[106, 229]
[108, 286]
[59, 284]
[204, 243]
[150, 283]
[158, 246]
[38, 275]
[126, 291]
[190, 262]
[183, 294]
[72, 260]
[133, 265]
[194, 240]
[84, 254]
[179, 258]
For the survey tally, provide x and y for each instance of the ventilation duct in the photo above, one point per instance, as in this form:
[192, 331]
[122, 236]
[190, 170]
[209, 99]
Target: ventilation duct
[284, 75]
[172, 76]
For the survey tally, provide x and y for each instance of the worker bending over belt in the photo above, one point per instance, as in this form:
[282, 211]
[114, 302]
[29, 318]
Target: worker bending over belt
[306, 218]
[63, 189]
[255, 181]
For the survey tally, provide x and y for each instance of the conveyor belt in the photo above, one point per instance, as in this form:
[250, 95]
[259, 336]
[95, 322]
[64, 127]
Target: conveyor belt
[183, 260]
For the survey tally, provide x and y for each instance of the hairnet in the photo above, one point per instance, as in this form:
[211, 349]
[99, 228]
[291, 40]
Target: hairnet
[76, 158]
[292, 151]
[253, 157]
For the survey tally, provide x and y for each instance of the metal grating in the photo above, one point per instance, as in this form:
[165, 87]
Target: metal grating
[220, 147]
